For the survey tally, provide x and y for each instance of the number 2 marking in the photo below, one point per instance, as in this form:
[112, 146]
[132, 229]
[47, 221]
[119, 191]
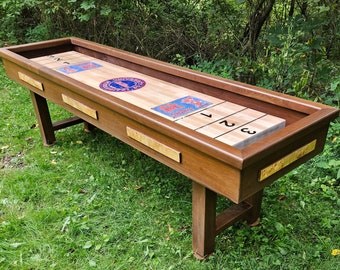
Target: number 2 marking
[225, 122]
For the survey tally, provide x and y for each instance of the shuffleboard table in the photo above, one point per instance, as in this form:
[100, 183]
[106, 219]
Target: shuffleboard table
[230, 138]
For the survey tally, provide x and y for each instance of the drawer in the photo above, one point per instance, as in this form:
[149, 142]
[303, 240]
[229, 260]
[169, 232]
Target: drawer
[79, 106]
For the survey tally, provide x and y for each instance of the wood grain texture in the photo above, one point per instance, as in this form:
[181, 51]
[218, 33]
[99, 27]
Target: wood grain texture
[35, 83]
[44, 119]
[203, 221]
[287, 160]
[229, 123]
[80, 106]
[154, 144]
[253, 131]
[210, 115]
[156, 92]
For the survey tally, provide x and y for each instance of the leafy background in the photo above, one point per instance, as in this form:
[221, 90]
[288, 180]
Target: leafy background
[290, 46]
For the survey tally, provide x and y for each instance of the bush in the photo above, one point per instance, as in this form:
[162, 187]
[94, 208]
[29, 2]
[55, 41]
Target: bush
[295, 54]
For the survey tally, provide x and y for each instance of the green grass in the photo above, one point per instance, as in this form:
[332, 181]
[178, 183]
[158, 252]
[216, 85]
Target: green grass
[92, 202]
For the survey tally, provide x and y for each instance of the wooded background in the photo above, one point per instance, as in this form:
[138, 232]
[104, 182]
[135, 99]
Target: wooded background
[290, 46]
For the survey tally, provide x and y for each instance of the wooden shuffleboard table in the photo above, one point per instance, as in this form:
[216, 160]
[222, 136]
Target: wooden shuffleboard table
[230, 138]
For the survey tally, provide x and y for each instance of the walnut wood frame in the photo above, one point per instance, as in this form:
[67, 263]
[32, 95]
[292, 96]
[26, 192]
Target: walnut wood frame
[214, 167]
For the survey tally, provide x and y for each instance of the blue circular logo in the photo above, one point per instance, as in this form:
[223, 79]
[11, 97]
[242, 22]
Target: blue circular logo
[122, 84]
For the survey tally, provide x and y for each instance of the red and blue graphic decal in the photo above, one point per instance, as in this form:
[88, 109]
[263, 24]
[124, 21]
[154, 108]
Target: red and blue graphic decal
[182, 106]
[70, 69]
[122, 84]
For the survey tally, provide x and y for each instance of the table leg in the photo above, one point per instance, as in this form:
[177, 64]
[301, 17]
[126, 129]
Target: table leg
[44, 119]
[203, 220]
[206, 224]
[253, 216]
[88, 128]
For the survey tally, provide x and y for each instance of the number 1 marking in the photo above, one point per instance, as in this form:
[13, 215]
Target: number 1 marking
[207, 115]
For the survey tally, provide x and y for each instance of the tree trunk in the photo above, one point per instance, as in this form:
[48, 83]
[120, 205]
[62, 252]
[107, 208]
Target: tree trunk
[303, 8]
[291, 9]
[257, 19]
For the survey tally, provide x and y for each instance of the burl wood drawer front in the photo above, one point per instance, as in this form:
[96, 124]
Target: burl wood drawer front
[28, 79]
[154, 144]
[80, 106]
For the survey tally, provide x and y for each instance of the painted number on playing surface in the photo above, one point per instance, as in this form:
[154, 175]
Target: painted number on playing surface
[246, 130]
[207, 115]
[227, 124]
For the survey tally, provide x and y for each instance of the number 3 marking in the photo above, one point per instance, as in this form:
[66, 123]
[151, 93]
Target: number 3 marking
[246, 130]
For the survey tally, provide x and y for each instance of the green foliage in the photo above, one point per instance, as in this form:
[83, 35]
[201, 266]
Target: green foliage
[222, 68]
[16, 18]
[296, 52]
[296, 62]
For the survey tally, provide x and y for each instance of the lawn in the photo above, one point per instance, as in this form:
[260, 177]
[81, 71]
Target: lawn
[92, 202]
